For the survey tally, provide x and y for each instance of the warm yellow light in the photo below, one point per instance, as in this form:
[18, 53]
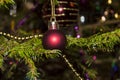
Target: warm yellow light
[103, 18]
[109, 1]
[116, 15]
[106, 13]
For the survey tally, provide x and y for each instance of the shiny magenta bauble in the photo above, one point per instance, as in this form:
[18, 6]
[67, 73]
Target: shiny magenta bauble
[54, 39]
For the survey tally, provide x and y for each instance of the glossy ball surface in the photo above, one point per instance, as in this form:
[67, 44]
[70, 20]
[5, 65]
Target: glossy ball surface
[54, 39]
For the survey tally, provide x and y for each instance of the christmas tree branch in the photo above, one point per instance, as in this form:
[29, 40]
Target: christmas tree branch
[32, 74]
[32, 50]
[4, 3]
[104, 42]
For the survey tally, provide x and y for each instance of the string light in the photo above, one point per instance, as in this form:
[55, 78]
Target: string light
[66, 20]
[78, 36]
[65, 2]
[106, 13]
[71, 66]
[116, 15]
[109, 1]
[55, 15]
[82, 19]
[20, 38]
[60, 9]
[103, 18]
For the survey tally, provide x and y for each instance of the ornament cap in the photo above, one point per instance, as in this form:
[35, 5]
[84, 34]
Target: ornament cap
[53, 25]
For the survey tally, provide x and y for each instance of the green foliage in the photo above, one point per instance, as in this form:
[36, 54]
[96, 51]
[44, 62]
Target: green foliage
[1, 60]
[91, 72]
[4, 3]
[104, 42]
[32, 74]
[32, 51]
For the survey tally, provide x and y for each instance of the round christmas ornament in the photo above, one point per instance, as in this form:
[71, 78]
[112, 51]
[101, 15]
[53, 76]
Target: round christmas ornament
[66, 13]
[54, 39]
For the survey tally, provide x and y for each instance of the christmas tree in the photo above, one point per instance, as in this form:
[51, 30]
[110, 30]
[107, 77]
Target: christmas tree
[37, 55]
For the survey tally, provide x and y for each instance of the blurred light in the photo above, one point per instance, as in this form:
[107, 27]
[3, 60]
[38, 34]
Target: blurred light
[29, 5]
[116, 15]
[101, 30]
[94, 57]
[119, 58]
[60, 9]
[82, 19]
[78, 35]
[109, 1]
[112, 11]
[106, 13]
[70, 34]
[71, 4]
[103, 18]
[76, 28]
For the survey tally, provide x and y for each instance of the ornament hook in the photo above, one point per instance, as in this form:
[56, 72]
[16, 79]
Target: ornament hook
[53, 23]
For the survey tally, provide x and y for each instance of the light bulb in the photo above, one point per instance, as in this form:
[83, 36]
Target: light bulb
[82, 19]
[116, 15]
[109, 1]
[106, 13]
[103, 18]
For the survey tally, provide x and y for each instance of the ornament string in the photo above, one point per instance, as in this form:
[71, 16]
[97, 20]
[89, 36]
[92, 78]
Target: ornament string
[52, 11]
[53, 23]
[71, 67]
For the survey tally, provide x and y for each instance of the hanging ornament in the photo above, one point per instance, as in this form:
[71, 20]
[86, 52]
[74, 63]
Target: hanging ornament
[13, 10]
[53, 38]
[66, 13]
